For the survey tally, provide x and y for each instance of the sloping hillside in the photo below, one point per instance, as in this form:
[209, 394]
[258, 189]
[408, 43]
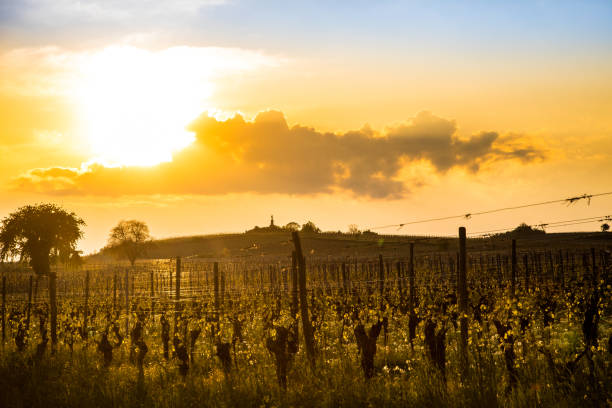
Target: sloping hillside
[335, 245]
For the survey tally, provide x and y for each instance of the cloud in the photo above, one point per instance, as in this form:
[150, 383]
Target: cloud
[267, 156]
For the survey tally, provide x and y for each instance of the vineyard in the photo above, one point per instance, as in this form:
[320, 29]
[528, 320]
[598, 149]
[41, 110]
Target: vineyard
[520, 326]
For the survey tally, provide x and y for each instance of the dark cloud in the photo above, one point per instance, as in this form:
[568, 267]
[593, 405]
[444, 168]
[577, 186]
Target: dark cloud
[268, 156]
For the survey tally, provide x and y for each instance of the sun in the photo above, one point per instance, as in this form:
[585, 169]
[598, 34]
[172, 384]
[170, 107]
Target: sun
[134, 104]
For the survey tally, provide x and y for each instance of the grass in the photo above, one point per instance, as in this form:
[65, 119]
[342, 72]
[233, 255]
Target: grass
[403, 379]
[254, 245]
[403, 376]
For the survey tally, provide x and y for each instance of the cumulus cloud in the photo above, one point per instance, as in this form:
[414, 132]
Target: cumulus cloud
[266, 155]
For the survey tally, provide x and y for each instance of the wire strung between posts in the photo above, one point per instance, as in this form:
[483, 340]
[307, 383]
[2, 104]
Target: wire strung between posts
[551, 224]
[568, 201]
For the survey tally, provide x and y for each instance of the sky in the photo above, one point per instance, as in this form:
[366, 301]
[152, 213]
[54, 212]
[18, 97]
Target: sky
[203, 117]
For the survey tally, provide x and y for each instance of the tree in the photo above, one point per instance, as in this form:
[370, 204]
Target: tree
[75, 260]
[292, 226]
[605, 227]
[524, 229]
[36, 233]
[130, 238]
[310, 227]
[353, 229]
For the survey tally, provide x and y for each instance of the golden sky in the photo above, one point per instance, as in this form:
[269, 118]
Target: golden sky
[211, 116]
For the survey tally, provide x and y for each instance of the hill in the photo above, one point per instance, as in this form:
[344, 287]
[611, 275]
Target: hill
[278, 244]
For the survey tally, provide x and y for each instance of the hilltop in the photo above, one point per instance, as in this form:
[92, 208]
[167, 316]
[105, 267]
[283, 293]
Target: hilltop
[277, 244]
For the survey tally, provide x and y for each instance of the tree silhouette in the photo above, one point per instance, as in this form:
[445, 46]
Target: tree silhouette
[353, 229]
[292, 226]
[35, 233]
[524, 229]
[310, 227]
[130, 238]
[605, 227]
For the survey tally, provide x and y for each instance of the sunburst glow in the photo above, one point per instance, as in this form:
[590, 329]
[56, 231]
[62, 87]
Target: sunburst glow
[135, 103]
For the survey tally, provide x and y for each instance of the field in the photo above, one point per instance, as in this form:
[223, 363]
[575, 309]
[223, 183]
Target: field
[338, 246]
[271, 320]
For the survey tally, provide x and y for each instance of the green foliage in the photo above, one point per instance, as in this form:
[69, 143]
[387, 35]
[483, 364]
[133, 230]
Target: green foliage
[38, 232]
[529, 349]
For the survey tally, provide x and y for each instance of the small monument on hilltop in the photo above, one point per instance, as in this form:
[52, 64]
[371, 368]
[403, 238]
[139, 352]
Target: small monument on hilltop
[271, 228]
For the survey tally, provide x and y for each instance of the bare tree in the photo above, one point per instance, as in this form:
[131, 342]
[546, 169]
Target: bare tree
[130, 238]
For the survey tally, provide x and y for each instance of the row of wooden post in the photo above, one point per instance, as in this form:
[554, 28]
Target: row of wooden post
[343, 274]
[298, 281]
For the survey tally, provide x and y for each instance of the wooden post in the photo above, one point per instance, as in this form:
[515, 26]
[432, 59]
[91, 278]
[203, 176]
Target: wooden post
[222, 286]
[177, 293]
[35, 288]
[3, 309]
[190, 274]
[53, 309]
[152, 278]
[29, 307]
[325, 281]
[294, 285]
[285, 283]
[400, 276]
[462, 295]
[344, 280]
[526, 267]
[499, 271]
[411, 289]
[126, 289]
[170, 282]
[505, 267]
[115, 291]
[551, 268]
[381, 279]
[585, 266]
[513, 272]
[561, 269]
[306, 324]
[540, 272]
[294, 296]
[216, 285]
[594, 276]
[86, 304]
